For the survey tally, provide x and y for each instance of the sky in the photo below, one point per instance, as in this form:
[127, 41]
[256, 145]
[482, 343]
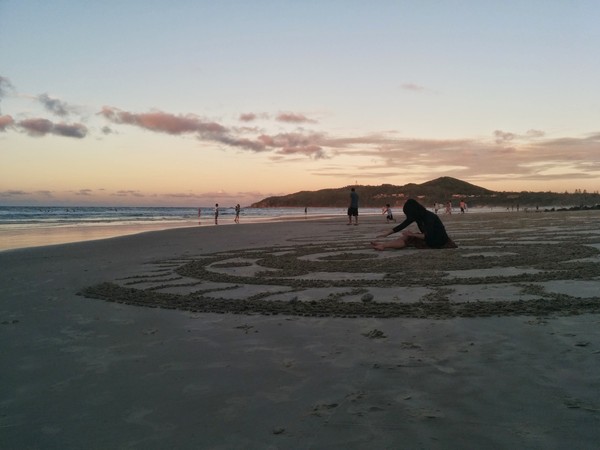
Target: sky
[189, 103]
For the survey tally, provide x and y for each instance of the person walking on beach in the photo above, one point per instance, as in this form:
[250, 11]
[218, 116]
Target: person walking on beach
[237, 213]
[353, 208]
[463, 206]
[432, 231]
[199, 216]
[216, 213]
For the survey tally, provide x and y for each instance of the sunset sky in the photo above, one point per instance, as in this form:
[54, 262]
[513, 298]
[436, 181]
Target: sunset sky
[188, 103]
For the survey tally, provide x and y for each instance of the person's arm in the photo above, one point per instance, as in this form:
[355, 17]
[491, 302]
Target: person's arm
[397, 228]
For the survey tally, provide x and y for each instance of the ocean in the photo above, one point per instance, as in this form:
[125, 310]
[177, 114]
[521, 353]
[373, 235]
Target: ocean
[32, 226]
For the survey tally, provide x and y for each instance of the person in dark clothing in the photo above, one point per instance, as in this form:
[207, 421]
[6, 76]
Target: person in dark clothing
[353, 208]
[432, 231]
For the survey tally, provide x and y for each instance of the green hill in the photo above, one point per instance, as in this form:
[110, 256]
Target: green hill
[440, 190]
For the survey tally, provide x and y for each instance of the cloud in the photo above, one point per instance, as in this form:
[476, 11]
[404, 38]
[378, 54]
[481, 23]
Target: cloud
[391, 155]
[217, 195]
[5, 86]
[248, 117]
[507, 157]
[282, 144]
[183, 195]
[163, 122]
[245, 143]
[506, 153]
[40, 127]
[13, 193]
[128, 193]
[535, 133]
[502, 136]
[251, 117]
[36, 127]
[308, 144]
[55, 105]
[293, 118]
[412, 87]
[84, 192]
[6, 122]
[75, 130]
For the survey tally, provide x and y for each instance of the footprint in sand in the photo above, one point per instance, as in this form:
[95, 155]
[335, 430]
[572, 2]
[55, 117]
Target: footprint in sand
[375, 334]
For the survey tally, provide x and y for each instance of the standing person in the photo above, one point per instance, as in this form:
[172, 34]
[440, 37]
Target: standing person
[432, 231]
[237, 213]
[449, 207]
[216, 213]
[353, 208]
[463, 206]
[199, 216]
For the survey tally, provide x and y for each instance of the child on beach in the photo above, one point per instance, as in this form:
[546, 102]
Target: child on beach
[432, 231]
[389, 217]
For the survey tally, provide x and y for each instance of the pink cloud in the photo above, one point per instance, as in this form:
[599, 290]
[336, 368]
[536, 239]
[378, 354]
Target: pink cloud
[289, 143]
[36, 127]
[248, 117]
[412, 87]
[293, 118]
[163, 122]
[6, 122]
[40, 127]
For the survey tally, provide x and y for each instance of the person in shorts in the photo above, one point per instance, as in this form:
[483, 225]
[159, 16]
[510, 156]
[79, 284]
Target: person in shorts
[353, 208]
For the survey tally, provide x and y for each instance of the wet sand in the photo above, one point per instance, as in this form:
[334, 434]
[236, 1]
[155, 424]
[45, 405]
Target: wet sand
[298, 335]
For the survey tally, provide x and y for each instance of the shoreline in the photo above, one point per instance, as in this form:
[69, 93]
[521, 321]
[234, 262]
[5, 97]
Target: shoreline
[15, 236]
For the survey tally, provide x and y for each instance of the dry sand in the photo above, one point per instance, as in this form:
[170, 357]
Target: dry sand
[297, 335]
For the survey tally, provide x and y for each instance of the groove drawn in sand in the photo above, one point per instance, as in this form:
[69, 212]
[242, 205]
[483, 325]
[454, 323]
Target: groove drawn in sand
[548, 270]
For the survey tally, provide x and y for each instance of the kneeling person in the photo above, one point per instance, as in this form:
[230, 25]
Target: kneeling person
[432, 231]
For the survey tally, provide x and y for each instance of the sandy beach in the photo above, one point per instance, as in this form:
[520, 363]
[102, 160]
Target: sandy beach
[297, 335]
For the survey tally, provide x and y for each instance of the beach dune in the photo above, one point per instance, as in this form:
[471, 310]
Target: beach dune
[297, 335]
